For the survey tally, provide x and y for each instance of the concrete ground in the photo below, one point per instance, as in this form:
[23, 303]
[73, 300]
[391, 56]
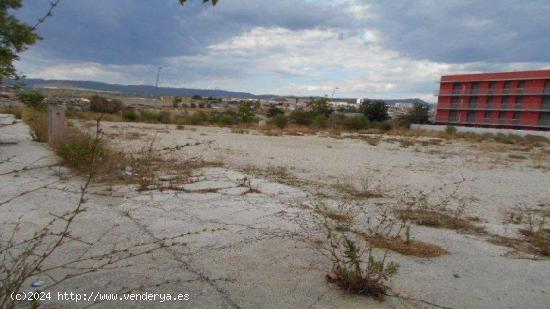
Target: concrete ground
[242, 258]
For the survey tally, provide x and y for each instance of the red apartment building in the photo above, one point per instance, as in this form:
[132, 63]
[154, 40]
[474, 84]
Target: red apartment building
[511, 100]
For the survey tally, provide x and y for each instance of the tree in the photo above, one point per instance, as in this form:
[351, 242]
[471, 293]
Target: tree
[274, 111]
[246, 112]
[375, 110]
[177, 101]
[15, 37]
[420, 113]
[319, 106]
[196, 97]
[32, 99]
[100, 104]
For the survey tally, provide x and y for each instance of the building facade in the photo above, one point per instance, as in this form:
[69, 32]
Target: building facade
[511, 100]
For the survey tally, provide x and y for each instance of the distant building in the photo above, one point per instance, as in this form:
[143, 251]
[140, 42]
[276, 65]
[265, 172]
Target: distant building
[513, 100]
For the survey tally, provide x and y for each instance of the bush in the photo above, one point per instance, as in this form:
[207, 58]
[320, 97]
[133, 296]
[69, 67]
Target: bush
[337, 120]
[103, 105]
[38, 121]
[300, 117]
[356, 123]
[130, 115]
[164, 117]
[419, 114]
[450, 130]
[320, 106]
[197, 118]
[375, 110]
[320, 121]
[149, 116]
[33, 99]
[385, 126]
[274, 111]
[79, 151]
[246, 113]
[280, 121]
[227, 119]
[177, 101]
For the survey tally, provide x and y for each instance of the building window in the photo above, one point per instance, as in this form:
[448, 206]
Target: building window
[546, 103]
[505, 101]
[490, 102]
[516, 115]
[492, 87]
[521, 86]
[456, 88]
[507, 86]
[473, 102]
[502, 117]
[547, 88]
[454, 102]
[487, 114]
[475, 87]
[471, 117]
[519, 102]
[453, 116]
[544, 119]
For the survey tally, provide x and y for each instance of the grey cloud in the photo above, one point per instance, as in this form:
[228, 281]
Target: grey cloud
[458, 31]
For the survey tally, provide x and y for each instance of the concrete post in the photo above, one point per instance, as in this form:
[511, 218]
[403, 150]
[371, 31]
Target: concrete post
[57, 125]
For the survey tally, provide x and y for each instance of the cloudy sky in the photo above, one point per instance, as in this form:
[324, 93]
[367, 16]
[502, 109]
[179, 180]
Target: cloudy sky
[366, 48]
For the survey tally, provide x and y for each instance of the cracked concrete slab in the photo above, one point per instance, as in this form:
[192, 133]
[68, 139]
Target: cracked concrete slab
[238, 258]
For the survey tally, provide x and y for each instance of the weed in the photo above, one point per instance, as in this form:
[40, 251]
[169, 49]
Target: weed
[38, 122]
[405, 143]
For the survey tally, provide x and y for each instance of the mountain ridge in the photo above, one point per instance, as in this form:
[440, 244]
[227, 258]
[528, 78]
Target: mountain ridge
[149, 90]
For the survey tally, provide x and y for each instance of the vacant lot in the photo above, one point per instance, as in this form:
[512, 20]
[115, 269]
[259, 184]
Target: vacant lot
[248, 252]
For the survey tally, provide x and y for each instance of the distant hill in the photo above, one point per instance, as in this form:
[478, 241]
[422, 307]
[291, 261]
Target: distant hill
[142, 90]
[147, 90]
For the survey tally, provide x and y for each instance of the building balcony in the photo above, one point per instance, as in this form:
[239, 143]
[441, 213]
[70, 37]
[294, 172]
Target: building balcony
[495, 92]
[511, 108]
[495, 122]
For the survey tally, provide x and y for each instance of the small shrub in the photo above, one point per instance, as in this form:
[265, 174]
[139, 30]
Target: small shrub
[358, 122]
[17, 113]
[197, 118]
[385, 126]
[320, 121]
[227, 119]
[100, 104]
[33, 99]
[274, 111]
[149, 116]
[38, 122]
[405, 143]
[164, 117]
[450, 130]
[375, 110]
[79, 151]
[300, 117]
[130, 115]
[280, 121]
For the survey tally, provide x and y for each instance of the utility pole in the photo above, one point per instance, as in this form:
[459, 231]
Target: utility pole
[333, 92]
[158, 78]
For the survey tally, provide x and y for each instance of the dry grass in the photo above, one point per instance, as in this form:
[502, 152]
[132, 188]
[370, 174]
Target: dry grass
[539, 238]
[365, 190]
[439, 219]
[407, 247]
[38, 122]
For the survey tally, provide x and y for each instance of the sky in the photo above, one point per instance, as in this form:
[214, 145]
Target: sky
[365, 48]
